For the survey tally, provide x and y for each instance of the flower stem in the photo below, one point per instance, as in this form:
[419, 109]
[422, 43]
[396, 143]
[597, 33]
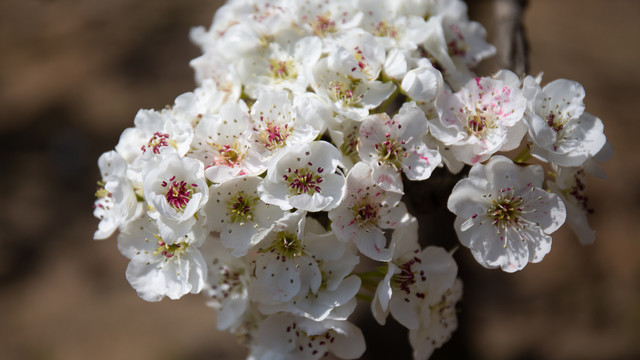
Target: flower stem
[523, 156]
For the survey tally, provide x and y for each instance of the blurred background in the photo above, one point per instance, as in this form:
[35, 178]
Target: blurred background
[74, 73]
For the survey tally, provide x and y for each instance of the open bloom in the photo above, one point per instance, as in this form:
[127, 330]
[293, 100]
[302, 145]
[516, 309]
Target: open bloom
[484, 117]
[116, 203]
[162, 266]
[365, 211]
[175, 191]
[304, 177]
[562, 132]
[238, 214]
[415, 281]
[503, 214]
[395, 145]
[288, 337]
[571, 185]
[335, 298]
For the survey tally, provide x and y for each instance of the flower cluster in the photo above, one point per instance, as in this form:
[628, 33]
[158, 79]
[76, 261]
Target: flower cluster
[265, 187]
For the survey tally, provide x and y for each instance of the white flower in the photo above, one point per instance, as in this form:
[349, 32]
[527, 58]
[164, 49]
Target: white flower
[283, 268]
[227, 284]
[344, 134]
[207, 99]
[304, 177]
[237, 213]
[503, 214]
[365, 211]
[116, 202]
[423, 83]
[161, 266]
[287, 337]
[359, 55]
[279, 122]
[349, 97]
[335, 298]
[222, 143]
[442, 323]
[285, 63]
[395, 145]
[482, 118]
[175, 191]
[571, 185]
[213, 67]
[562, 132]
[154, 132]
[415, 281]
[326, 19]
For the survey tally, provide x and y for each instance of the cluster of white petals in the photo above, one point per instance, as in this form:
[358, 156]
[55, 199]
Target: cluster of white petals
[264, 187]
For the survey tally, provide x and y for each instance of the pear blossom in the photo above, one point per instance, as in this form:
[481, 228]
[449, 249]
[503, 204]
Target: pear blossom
[227, 284]
[116, 202]
[562, 132]
[237, 213]
[279, 122]
[304, 177]
[365, 211]
[154, 132]
[439, 327]
[349, 97]
[392, 146]
[482, 118]
[326, 19]
[422, 83]
[285, 336]
[336, 294]
[344, 134]
[358, 54]
[207, 99]
[285, 63]
[283, 266]
[162, 266]
[222, 143]
[213, 67]
[175, 191]
[415, 280]
[503, 214]
[570, 184]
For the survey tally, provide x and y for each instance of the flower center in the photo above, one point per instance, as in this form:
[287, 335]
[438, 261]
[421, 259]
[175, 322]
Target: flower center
[274, 136]
[282, 69]
[407, 277]
[228, 155]
[179, 193]
[365, 213]
[102, 193]
[457, 47]
[343, 92]
[303, 181]
[285, 246]
[241, 207]
[391, 152]
[556, 122]
[385, 30]
[478, 122]
[169, 250]
[228, 281]
[506, 209]
[578, 192]
[350, 145]
[311, 347]
[323, 25]
[157, 141]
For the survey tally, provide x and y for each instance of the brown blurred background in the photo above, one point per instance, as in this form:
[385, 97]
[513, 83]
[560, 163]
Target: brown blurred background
[74, 73]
